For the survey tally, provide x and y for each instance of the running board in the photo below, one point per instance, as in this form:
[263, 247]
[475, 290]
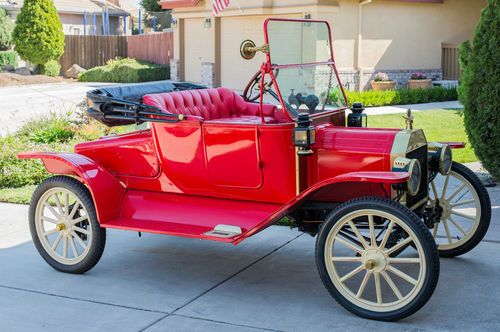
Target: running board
[224, 231]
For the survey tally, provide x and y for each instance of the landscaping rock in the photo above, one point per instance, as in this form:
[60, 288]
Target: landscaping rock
[9, 68]
[74, 71]
[23, 71]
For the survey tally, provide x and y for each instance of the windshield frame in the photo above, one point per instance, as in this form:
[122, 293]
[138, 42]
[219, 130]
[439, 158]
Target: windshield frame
[272, 67]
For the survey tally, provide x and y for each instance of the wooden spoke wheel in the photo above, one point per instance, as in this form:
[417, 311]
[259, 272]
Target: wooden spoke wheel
[64, 225]
[466, 211]
[355, 257]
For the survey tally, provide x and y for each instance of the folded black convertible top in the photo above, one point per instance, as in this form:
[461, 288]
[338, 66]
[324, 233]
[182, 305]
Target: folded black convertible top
[122, 104]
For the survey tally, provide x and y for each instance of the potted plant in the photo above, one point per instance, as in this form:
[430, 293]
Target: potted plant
[419, 81]
[381, 81]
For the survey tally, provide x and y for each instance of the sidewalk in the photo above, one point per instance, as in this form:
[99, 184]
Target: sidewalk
[415, 107]
[267, 283]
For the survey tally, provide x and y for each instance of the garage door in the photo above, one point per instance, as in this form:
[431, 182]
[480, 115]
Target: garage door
[199, 48]
[236, 72]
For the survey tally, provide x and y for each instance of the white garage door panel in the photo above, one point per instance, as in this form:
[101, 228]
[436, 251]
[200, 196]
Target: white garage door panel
[236, 72]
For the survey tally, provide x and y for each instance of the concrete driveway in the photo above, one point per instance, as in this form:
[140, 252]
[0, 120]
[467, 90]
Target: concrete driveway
[268, 283]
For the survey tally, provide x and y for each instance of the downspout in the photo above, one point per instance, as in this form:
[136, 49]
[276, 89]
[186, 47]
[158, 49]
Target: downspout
[360, 40]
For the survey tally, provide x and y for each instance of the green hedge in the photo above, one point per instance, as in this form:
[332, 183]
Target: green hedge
[51, 68]
[402, 96]
[126, 71]
[8, 58]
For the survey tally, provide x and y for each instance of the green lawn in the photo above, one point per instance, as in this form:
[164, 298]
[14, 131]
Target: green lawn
[438, 125]
[20, 195]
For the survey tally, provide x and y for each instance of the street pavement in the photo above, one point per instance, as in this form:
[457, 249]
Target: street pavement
[267, 283]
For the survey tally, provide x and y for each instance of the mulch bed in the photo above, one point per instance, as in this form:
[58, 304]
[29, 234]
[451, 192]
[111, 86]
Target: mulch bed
[10, 79]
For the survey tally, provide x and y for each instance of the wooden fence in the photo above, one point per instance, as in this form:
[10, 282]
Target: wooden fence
[449, 61]
[156, 47]
[92, 51]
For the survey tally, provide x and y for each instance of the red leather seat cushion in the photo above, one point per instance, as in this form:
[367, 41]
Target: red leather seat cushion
[219, 104]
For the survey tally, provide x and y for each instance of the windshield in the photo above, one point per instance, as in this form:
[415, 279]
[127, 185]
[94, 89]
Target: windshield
[302, 61]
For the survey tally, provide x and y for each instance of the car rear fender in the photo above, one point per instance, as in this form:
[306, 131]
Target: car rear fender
[347, 186]
[106, 190]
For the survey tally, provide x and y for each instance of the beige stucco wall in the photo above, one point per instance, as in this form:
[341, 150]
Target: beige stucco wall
[395, 34]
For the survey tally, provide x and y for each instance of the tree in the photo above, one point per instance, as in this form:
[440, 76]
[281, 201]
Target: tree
[480, 91]
[38, 34]
[6, 28]
[151, 5]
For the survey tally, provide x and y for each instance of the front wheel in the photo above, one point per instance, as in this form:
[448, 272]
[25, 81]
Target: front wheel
[356, 258]
[64, 226]
[466, 210]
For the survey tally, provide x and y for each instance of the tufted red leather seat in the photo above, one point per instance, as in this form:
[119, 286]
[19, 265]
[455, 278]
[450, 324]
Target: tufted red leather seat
[218, 105]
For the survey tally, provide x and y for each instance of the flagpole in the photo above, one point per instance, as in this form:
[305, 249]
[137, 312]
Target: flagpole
[238, 5]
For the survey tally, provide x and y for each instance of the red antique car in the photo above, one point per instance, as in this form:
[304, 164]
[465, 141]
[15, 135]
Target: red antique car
[214, 165]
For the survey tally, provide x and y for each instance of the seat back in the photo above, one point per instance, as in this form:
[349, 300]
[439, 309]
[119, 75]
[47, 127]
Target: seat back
[209, 104]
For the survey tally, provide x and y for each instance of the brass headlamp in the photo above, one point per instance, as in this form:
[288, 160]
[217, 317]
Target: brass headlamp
[440, 157]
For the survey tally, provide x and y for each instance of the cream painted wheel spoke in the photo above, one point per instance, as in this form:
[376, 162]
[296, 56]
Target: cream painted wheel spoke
[402, 275]
[399, 245]
[447, 230]
[57, 241]
[362, 287]
[58, 204]
[386, 235]
[378, 287]
[445, 186]
[403, 260]
[373, 239]
[455, 193]
[469, 201]
[358, 235]
[77, 220]
[73, 246]
[391, 284]
[52, 210]
[66, 204]
[350, 245]
[463, 215]
[81, 230]
[457, 225]
[52, 231]
[73, 211]
[352, 273]
[434, 232]
[434, 190]
[79, 240]
[65, 247]
[346, 259]
[52, 221]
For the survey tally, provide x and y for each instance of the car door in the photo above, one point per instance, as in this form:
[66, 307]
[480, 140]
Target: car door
[233, 155]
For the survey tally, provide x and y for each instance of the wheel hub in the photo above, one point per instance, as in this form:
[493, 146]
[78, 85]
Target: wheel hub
[64, 226]
[374, 260]
[446, 208]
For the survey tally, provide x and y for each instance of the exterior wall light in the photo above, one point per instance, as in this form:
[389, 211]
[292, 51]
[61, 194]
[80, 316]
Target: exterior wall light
[174, 22]
[208, 23]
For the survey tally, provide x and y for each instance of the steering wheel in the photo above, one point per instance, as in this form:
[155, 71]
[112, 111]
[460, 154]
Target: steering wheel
[252, 91]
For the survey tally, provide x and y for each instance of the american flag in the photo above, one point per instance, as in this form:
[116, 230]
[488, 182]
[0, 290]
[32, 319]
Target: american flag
[219, 5]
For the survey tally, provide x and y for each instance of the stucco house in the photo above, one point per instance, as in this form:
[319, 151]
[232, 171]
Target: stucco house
[398, 37]
[80, 17]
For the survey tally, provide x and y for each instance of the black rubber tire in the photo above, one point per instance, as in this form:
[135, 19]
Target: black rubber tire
[418, 227]
[98, 233]
[484, 223]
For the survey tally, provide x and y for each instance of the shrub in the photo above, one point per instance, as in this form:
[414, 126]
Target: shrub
[6, 28]
[38, 34]
[51, 68]
[402, 96]
[381, 77]
[418, 76]
[126, 71]
[8, 58]
[480, 91]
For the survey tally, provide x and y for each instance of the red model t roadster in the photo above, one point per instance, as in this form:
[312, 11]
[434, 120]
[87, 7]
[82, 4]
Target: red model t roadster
[214, 165]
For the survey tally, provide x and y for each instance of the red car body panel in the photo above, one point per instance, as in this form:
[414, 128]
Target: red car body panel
[187, 177]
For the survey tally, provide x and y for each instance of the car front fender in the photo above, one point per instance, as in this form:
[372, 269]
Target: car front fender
[106, 190]
[348, 186]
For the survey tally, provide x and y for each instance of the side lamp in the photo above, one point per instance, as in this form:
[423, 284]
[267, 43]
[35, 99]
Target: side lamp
[304, 135]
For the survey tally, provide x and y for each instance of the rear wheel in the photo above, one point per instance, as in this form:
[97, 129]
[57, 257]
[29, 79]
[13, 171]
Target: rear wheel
[64, 226]
[355, 255]
[466, 210]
